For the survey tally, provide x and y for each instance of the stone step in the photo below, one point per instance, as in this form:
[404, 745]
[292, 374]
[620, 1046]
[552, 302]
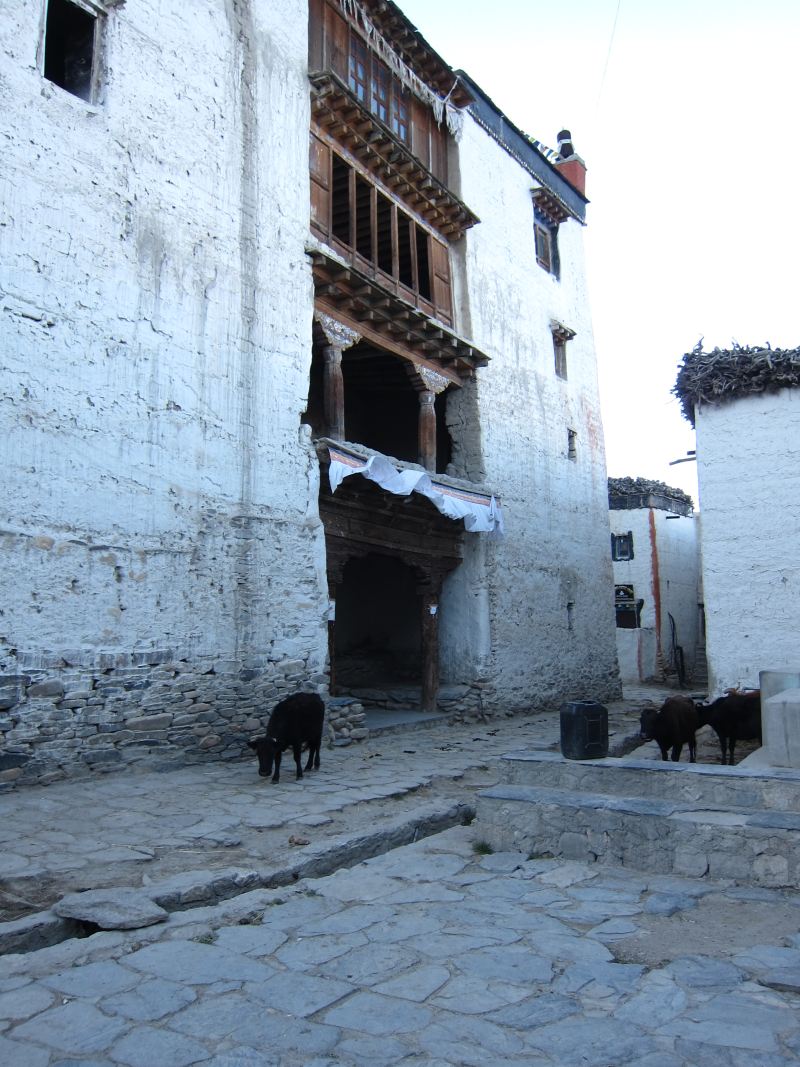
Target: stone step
[650, 834]
[761, 788]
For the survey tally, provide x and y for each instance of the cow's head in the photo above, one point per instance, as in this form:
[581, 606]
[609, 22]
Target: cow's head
[647, 722]
[265, 748]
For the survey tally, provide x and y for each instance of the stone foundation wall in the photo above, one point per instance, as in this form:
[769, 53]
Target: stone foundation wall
[71, 722]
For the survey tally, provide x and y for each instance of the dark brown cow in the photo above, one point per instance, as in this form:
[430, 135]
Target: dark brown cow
[672, 726]
[295, 721]
[734, 717]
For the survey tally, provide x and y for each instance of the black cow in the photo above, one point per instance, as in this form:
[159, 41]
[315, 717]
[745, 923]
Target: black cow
[295, 721]
[734, 717]
[672, 726]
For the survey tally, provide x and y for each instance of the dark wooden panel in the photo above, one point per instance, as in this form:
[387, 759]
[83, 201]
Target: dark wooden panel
[421, 132]
[337, 43]
[439, 151]
[320, 168]
[442, 289]
[316, 34]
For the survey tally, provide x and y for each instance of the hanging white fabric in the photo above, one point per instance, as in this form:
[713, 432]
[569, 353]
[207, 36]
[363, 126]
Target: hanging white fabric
[441, 106]
[480, 512]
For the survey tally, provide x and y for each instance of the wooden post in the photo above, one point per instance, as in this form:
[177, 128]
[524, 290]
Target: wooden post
[339, 337]
[334, 392]
[430, 650]
[432, 383]
[427, 430]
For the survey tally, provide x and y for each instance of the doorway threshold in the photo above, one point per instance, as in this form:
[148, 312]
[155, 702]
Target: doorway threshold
[395, 720]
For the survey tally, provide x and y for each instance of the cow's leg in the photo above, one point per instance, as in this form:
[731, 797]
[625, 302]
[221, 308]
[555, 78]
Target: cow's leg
[664, 751]
[297, 751]
[310, 760]
[276, 777]
[693, 751]
[676, 753]
[731, 747]
[317, 746]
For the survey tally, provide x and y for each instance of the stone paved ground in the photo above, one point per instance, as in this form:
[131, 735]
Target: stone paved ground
[433, 953]
[147, 827]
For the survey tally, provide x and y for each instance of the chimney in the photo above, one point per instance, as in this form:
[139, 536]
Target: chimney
[569, 163]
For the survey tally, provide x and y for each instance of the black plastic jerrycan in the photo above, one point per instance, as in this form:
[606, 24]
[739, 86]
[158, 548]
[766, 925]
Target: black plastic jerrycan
[584, 730]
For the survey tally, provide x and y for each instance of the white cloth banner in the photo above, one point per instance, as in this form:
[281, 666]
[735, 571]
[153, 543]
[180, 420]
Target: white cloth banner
[481, 513]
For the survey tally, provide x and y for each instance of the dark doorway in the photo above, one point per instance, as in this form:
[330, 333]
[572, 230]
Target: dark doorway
[377, 625]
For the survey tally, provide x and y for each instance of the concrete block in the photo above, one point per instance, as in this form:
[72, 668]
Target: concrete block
[780, 720]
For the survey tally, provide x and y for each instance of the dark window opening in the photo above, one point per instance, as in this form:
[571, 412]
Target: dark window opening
[363, 218]
[423, 265]
[622, 546]
[381, 409]
[340, 200]
[69, 47]
[628, 609]
[404, 263]
[381, 405]
[384, 227]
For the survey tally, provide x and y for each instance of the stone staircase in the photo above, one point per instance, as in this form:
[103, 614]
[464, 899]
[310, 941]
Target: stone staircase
[699, 678]
[737, 823]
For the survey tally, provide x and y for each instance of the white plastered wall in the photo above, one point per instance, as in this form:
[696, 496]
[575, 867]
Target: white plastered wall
[748, 453]
[548, 585]
[155, 325]
[664, 545]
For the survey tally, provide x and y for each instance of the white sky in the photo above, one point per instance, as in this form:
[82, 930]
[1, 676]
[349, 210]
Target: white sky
[687, 119]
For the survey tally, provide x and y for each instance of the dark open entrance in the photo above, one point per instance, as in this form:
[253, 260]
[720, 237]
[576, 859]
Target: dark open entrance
[377, 624]
[381, 403]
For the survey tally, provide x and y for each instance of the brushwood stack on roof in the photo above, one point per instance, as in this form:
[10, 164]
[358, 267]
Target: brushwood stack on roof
[725, 374]
[628, 493]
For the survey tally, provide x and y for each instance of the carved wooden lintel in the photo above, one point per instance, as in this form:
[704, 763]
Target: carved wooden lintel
[338, 335]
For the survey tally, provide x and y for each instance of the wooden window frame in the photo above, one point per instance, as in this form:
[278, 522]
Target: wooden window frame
[561, 336]
[544, 247]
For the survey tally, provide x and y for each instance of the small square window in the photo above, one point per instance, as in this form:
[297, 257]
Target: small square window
[622, 546]
[70, 46]
[572, 444]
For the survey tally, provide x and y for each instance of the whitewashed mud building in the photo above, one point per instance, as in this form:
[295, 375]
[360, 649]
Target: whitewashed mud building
[205, 330]
[657, 600]
[745, 406]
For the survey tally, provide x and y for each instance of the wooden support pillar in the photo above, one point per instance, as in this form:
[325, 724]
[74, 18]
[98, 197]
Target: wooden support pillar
[427, 430]
[334, 392]
[430, 649]
[432, 383]
[339, 338]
